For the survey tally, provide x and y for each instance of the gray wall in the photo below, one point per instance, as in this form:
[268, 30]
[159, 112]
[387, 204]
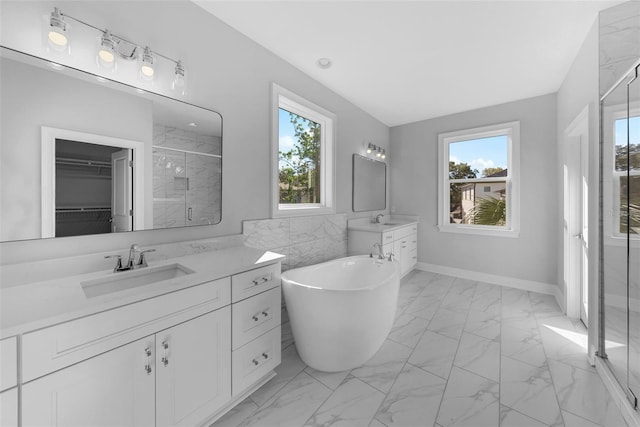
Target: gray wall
[228, 73]
[532, 256]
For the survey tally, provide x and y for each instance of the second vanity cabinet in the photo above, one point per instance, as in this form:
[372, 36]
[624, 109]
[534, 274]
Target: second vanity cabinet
[399, 240]
[178, 359]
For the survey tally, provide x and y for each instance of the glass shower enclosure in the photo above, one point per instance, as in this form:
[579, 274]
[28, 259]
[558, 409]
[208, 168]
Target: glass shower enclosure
[619, 304]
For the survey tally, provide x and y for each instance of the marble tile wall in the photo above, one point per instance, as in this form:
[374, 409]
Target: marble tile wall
[304, 240]
[619, 42]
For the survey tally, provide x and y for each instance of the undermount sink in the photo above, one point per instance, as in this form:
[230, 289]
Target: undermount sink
[132, 279]
[391, 223]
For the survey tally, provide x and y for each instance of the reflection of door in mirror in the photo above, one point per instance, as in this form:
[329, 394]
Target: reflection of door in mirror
[89, 182]
[121, 195]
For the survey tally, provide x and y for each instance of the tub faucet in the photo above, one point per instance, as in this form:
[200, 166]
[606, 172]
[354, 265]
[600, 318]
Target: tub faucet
[380, 252]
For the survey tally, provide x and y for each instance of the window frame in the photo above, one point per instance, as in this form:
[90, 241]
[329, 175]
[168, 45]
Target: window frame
[612, 177]
[512, 227]
[287, 100]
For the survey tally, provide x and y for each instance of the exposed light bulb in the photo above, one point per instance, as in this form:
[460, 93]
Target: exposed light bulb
[369, 148]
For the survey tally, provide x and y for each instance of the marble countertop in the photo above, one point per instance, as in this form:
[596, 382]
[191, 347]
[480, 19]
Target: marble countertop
[388, 224]
[32, 306]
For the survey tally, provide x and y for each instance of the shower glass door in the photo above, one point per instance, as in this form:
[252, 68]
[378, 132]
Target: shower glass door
[620, 233]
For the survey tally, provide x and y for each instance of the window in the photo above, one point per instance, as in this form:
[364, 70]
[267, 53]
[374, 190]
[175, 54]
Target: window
[626, 155]
[478, 180]
[302, 156]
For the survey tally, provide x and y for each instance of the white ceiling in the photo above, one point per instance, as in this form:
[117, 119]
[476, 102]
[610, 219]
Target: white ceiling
[404, 61]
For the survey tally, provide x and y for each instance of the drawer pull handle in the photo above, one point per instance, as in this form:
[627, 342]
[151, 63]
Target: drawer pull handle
[147, 366]
[265, 314]
[265, 355]
[255, 282]
[165, 348]
[255, 362]
[255, 318]
[265, 279]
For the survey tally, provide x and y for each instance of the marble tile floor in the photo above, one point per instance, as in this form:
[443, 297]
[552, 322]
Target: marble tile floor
[461, 353]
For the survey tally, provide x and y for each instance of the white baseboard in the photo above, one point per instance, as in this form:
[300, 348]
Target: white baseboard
[511, 282]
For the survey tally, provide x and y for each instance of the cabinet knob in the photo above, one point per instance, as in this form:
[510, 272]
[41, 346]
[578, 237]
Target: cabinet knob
[255, 282]
[265, 279]
[255, 362]
[265, 355]
[265, 314]
[255, 318]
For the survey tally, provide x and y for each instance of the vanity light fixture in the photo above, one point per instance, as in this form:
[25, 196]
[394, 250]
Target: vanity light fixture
[112, 46]
[57, 35]
[380, 152]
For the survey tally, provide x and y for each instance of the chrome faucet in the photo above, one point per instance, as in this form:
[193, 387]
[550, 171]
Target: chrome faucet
[378, 219]
[380, 252]
[131, 262]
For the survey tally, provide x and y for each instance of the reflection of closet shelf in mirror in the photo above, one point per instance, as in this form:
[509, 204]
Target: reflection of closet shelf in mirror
[82, 162]
[82, 209]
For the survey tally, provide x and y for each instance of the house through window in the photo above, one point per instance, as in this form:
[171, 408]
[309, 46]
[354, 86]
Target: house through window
[478, 180]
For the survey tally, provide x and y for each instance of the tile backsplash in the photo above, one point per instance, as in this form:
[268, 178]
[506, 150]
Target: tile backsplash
[304, 240]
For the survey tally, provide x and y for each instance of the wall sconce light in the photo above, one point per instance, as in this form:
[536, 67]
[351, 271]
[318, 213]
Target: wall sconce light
[379, 152]
[112, 47]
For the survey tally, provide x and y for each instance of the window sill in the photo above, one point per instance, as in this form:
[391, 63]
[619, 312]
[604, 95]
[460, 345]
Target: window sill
[303, 211]
[480, 231]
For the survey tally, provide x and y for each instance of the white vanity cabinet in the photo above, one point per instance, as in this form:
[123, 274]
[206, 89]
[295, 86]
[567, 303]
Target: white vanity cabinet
[401, 241]
[182, 358]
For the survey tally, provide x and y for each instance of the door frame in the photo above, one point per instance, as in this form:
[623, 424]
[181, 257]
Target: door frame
[576, 140]
[49, 136]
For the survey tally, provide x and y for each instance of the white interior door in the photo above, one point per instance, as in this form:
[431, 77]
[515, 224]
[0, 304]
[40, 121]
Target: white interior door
[121, 191]
[576, 232]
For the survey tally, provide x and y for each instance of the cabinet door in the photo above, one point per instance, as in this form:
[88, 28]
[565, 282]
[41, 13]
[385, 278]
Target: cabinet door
[116, 388]
[194, 369]
[401, 252]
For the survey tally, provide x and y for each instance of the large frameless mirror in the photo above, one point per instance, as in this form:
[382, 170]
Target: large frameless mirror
[85, 155]
[369, 184]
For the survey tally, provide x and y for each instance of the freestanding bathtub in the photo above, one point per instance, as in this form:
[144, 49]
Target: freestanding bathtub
[341, 311]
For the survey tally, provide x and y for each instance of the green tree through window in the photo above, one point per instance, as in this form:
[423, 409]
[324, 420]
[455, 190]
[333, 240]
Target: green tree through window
[299, 166]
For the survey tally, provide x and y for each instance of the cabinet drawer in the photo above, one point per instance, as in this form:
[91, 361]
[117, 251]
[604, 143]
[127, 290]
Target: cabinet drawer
[253, 282]
[254, 316]
[8, 363]
[406, 231]
[254, 360]
[387, 237]
[56, 347]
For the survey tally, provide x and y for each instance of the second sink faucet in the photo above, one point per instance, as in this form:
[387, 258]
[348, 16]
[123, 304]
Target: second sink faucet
[378, 219]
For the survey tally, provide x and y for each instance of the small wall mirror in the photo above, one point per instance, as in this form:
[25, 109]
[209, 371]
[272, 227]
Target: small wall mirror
[82, 154]
[369, 184]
